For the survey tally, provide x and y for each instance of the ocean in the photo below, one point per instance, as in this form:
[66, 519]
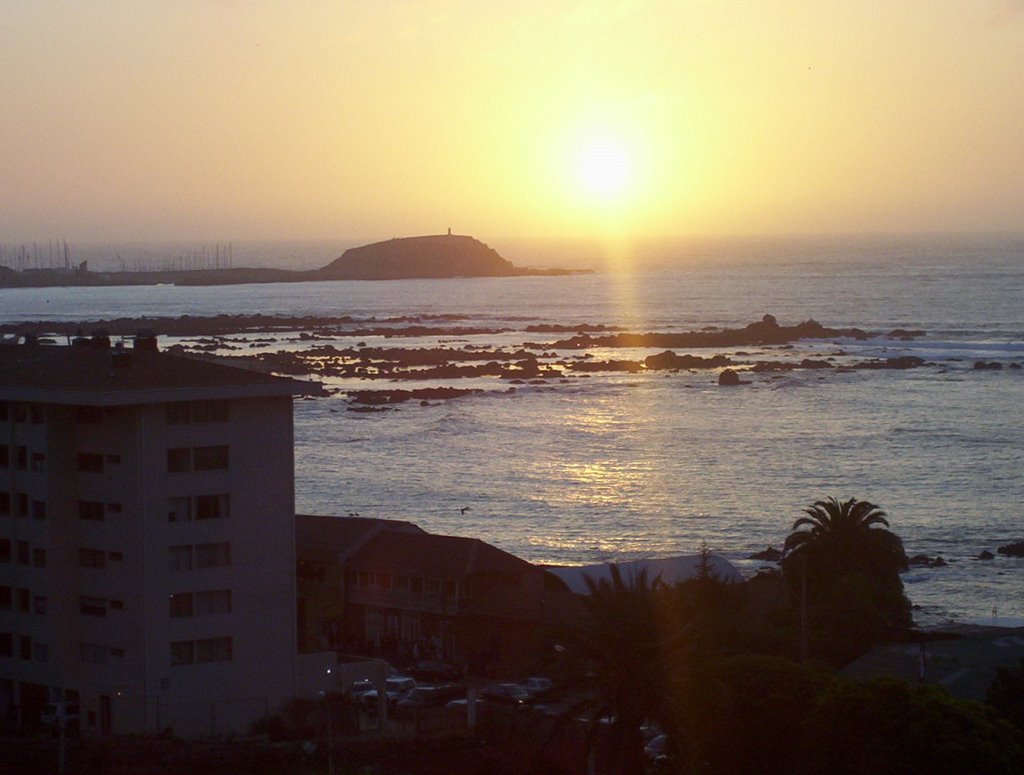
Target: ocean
[623, 466]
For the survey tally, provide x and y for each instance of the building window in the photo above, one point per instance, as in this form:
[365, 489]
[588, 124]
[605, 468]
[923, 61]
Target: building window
[212, 506]
[38, 509]
[183, 413]
[5, 456]
[179, 509]
[116, 605]
[180, 557]
[22, 453]
[25, 647]
[38, 462]
[20, 415]
[5, 549]
[5, 500]
[183, 652]
[92, 606]
[181, 605]
[178, 413]
[39, 558]
[89, 415]
[90, 462]
[210, 458]
[6, 644]
[213, 555]
[114, 460]
[21, 500]
[92, 510]
[116, 556]
[36, 415]
[114, 508]
[23, 553]
[40, 652]
[92, 558]
[6, 598]
[116, 653]
[213, 601]
[39, 605]
[213, 650]
[23, 600]
[179, 460]
[3, 411]
[210, 411]
[92, 653]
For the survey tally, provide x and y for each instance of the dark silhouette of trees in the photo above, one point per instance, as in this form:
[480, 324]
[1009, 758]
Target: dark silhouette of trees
[619, 659]
[1006, 694]
[845, 560]
[889, 727]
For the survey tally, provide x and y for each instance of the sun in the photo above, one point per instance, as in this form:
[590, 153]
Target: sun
[605, 168]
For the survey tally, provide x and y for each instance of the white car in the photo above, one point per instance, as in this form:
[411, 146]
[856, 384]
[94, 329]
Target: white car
[60, 714]
[537, 686]
[396, 688]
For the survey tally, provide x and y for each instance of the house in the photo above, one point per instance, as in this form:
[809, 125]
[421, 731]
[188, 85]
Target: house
[147, 567]
[322, 543]
[410, 596]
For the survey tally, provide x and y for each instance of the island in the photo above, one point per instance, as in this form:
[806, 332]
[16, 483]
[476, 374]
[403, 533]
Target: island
[425, 257]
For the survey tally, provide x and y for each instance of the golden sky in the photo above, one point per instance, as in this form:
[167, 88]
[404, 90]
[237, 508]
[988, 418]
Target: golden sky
[236, 119]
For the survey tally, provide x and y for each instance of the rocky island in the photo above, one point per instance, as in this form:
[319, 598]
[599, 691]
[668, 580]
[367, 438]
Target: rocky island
[433, 256]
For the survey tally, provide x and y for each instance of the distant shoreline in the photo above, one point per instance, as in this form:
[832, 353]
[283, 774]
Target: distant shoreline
[409, 258]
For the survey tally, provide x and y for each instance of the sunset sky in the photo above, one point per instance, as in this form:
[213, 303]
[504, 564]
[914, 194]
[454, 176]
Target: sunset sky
[235, 119]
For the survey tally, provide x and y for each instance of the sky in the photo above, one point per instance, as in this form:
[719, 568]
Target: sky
[235, 119]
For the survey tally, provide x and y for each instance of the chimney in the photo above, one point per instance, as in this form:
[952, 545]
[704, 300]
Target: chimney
[145, 341]
[101, 339]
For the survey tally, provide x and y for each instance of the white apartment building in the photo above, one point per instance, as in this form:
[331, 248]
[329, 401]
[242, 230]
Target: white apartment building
[147, 560]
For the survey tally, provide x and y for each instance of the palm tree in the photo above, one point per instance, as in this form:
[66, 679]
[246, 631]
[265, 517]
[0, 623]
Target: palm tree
[848, 544]
[618, 658]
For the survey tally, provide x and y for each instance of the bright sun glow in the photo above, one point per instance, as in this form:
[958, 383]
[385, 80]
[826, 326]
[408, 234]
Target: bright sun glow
[605, 168]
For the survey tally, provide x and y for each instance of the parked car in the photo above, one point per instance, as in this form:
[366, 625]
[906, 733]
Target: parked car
[423, 697]
[396, 688]
[360, 688]
[538, 686]
[433, 670]
[60, 714]
[657, 749]
[460, 707]
[506, 694]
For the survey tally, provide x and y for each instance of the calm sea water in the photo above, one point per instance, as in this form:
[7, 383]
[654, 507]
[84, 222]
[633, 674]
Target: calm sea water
[626, 466]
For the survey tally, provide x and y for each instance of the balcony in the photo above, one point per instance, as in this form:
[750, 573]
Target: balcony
[404, 599]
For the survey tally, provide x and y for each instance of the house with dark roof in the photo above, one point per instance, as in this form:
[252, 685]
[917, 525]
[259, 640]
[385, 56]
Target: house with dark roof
[322, 543]
[409, 596]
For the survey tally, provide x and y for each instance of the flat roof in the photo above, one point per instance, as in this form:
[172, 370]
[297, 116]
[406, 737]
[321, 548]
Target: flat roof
[94, 375]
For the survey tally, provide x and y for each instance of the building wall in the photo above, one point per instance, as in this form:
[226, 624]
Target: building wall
[106, 622]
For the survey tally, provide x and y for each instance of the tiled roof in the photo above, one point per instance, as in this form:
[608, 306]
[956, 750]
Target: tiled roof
[325, 538]
[91, 374]
[433, 556]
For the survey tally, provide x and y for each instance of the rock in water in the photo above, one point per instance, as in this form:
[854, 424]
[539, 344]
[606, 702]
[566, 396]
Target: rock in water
[444, 255]
[728, 378]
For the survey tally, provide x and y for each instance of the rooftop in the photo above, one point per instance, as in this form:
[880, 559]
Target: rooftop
[434, 556]
[93, 373]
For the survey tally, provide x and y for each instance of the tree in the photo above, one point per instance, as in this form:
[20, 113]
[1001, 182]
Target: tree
[850, 562]
[618, 658]
[1006, 694]
[889, 727]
